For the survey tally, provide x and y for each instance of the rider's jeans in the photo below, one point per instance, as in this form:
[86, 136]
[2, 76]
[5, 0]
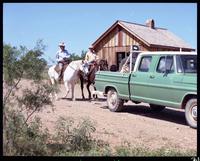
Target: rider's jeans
[60, 65]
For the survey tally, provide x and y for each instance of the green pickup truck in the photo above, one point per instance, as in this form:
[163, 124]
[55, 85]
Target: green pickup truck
[161, 79]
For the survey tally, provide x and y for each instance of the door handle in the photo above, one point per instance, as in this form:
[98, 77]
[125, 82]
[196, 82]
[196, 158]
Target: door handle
[152, 76]
[133, 75]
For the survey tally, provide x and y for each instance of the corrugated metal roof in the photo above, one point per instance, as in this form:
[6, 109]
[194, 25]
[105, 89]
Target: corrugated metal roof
[156, 36]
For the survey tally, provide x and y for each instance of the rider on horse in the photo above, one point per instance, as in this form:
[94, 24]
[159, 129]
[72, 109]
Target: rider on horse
[62, 57]
[90, 58]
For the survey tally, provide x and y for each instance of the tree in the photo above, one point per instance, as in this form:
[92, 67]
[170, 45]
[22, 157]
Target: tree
[17, 64]
[21, 63]
[83, 53]
[75, 57]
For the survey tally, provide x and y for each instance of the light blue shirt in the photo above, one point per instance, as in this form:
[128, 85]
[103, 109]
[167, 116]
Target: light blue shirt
[62, 54]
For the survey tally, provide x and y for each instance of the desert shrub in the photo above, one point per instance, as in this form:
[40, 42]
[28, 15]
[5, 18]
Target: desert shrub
[24, 139]
[75, 137]
[22, 136]
[36, 98]
[124, 149]
[167, 151]
[138, 150]
[23, 63]
[82, 139]
[19, 136]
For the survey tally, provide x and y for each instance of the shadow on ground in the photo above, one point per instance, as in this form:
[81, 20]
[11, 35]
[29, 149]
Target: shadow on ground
[168, 114]
[86, 99]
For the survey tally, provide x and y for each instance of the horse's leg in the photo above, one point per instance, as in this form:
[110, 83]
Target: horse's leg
[72, 86]
[50, 95]
[67, 88]
[52, 81]
[95, 95]
[82, 86]
[88, 88]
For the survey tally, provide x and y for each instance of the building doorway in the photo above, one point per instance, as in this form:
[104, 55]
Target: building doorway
[120, 57]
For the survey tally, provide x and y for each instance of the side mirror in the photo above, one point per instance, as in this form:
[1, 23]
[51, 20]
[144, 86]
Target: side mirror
[135, 48]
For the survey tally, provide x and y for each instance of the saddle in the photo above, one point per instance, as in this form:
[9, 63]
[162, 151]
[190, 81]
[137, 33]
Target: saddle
[61, 71]
[58, 70]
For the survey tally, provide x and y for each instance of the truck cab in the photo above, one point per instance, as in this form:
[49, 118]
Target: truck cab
[158, 78]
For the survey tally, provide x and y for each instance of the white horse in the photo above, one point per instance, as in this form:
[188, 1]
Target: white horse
[71, 75]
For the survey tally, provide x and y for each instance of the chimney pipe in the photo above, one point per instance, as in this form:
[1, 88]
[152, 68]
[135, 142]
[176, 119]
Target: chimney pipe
[150, 23]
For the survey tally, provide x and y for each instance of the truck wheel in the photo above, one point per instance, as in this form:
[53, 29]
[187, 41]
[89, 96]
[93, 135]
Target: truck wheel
[191, 113]
[114, 103]
[156, 108]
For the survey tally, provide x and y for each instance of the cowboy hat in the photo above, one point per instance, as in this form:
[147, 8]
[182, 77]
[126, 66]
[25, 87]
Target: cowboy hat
[62, 44]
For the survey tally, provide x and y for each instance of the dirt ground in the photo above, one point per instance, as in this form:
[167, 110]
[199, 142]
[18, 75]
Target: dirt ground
[135, 124]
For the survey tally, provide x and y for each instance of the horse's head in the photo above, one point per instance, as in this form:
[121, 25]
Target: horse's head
[84, 67]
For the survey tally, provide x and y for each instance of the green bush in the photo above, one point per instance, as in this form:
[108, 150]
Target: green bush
[24, 139]
[127, 150]
[75, 138]
[19, 136]
[36, 99]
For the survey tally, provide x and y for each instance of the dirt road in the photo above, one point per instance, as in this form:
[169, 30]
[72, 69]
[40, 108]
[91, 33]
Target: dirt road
[136, 124]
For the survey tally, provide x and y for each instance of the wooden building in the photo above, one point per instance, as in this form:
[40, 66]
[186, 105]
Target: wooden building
[114, 44]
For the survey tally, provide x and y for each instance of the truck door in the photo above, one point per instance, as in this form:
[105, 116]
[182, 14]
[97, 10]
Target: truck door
[162, 81]
[139, 88]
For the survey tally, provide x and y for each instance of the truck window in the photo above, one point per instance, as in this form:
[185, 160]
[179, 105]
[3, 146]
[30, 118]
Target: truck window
[179, 64]
[124, 66]
[189, 63]
[145, 64]
[165, 62]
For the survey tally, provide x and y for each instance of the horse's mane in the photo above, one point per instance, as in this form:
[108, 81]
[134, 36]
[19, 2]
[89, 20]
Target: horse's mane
[76, 62]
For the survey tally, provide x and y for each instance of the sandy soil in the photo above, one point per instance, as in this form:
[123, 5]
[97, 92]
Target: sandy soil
[135, 124]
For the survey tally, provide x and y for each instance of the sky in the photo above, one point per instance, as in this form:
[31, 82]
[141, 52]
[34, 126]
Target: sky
[80, 24]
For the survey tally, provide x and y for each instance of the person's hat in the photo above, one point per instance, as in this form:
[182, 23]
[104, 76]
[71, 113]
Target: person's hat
[62, 44]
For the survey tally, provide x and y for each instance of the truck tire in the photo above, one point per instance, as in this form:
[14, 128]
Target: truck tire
[114, 103]
[156, 108]
[191, 112]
